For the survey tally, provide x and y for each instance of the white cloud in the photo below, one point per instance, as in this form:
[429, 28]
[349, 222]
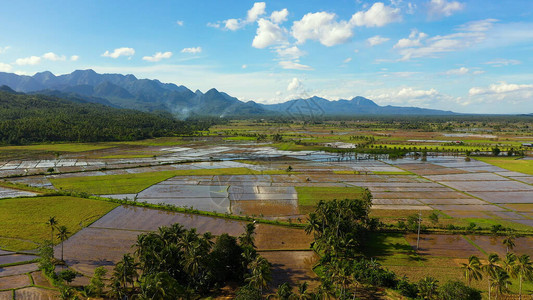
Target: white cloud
[32, 60]
[5, 67]
[460, 71]
[322, 27]
[74, 57]
[193, 50]
[279, 16]
[444, 8]
[244, 66]
[257, 10]
[179, 22]
[4, 49]
[268, 34]
[294, 66]
[502, 88]
[376, 40]
[290, 52]
[469, 34]
[409, 96]
[349, 59]
[377, 16]
[54, 57]
[124, 51]
[294, 85]
[503, 62]
[232, 24]
[414, 40]
[158, 56]
[214, 25]
[478, 72]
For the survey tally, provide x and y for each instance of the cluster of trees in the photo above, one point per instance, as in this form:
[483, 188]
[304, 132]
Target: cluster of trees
[499, 271]
[37, 118]
[175, 263]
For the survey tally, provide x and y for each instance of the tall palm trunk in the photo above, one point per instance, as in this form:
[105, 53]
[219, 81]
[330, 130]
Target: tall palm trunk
[520, 290]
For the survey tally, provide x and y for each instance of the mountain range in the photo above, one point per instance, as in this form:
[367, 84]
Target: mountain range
[127, 91]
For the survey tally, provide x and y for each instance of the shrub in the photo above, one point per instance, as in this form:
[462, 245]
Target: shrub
[456, 290]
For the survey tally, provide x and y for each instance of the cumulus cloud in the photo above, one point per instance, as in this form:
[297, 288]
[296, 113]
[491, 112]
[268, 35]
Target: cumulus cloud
[414, 40]
[158, 56]
[54, 57]
[290, 52]
[376, 16]
[502, 88]
[376, 40]
[279, 16]
[124, 51]
[444, 8]
[32, 60]
[294, 85]
[460, 71]
[257, 10]
[179, 22]
[410, 96]
[193, 50]
[294, 66]
[5, 67]
[322, 27]
[468, 35]
[244, 66]
[74, 57]
[268, 34]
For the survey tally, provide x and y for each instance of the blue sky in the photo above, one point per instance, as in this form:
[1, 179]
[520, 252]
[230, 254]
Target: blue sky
[466, 56]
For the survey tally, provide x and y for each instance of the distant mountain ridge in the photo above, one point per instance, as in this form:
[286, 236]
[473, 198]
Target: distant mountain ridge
[126, 91]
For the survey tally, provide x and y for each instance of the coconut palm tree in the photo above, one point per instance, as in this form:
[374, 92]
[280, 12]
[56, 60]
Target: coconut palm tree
[428, 287]
[247, 238]
[491, 268]
[524, 270]
[62, 235]
[500, 282]
[472, 270]
[508, 241]
[52, 222]
[508, 264]
[260, 277]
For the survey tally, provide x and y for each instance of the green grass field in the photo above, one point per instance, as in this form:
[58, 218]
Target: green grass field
[162, 141]
[135, 183]
[510, 163]
[23, 220]
[308, 197]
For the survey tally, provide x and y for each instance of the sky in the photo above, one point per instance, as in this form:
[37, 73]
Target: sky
[472, 56]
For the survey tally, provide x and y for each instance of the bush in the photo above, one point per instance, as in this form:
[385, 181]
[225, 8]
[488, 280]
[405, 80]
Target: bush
[456, 290]
[407, 289]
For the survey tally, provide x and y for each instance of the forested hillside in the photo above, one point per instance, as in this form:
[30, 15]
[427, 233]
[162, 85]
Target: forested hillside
[37, 118]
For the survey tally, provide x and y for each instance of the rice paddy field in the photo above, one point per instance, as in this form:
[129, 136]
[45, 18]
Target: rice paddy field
[231, 175]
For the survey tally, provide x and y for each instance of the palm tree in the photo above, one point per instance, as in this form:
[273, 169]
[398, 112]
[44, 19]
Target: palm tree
[524, 269]
[260, 277]
[491, 268]
[247, 238]
[62, 234]
[52, 222]
[472, 270]
[500, 282]
[428, 287]
[508, 241]
[508, 264]
[125, 271]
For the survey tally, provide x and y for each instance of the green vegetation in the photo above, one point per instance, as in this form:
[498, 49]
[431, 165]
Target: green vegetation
[58, 147]
[310, 196]
[36, 119]
[135, 183]
[23, 221]
[510, 163]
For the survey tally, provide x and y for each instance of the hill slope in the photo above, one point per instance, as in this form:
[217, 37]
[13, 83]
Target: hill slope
[39, 118]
